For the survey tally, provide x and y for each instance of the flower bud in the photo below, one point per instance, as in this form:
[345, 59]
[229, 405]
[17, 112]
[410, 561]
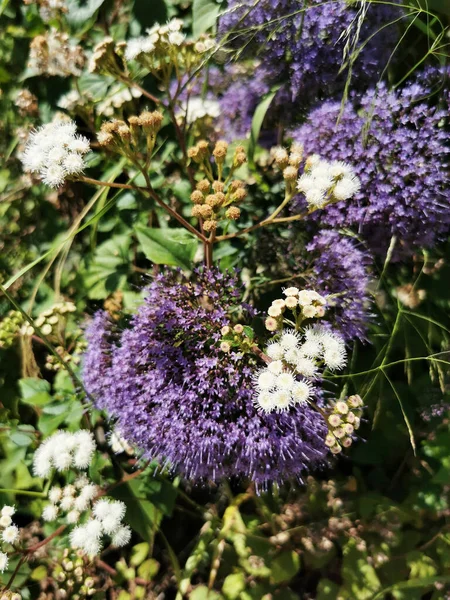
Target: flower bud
[233, 213]
[210, 225]
[197, 197]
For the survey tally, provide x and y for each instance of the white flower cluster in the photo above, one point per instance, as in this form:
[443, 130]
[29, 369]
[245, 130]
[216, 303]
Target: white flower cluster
[197, 108]
[162, 37]
[293, 355]
[64, 450]
[73, 499]
[9, 533]
[305, 304]
[323, 182]
[49, 319]
[107, 520]
[55, 151]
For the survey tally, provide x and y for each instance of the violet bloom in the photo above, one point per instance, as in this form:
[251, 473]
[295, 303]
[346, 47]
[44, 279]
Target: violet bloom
[398, 146]
[185, 402]
[340, 269]
[303, 43]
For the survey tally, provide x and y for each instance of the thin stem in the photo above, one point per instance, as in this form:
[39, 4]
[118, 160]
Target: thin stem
[23, 493]
[48, 539]
[264, 223]
[13, 576]
[122, 186]
[143, 91]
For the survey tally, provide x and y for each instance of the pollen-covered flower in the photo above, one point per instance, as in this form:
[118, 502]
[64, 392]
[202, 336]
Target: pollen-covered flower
[181, 400]
[56, 152]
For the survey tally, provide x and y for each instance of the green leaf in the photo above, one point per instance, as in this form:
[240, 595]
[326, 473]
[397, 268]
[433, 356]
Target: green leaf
[284, 566]
[139, 553]
[203, 593]
[39, 573]
[148, 569]
[173, 247]
[233, 585]
[35, 391]
[109, 268]
[258, 119]
[327, 590]
[94, 86]
[78, 13]
[204, 16]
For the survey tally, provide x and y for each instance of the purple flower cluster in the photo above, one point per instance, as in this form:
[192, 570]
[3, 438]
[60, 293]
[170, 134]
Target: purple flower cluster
[340, 270]
[397, 145]
[302, 44]
[182, 400]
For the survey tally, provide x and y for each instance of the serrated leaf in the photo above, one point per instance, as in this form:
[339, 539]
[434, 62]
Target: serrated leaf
[172, 247]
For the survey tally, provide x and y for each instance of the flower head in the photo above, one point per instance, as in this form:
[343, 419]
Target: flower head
[180, 399]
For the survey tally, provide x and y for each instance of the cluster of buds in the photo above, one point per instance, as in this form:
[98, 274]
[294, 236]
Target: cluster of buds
[289, 163]
[73, 357]
[71, 500]
[10, 327]
[215, 200]
[70, 576]
[51, 321]
[126, 138]
[343, 421]
[239, 337]
[165, 46]
[53, 54]
[27, 103]
[304, 304]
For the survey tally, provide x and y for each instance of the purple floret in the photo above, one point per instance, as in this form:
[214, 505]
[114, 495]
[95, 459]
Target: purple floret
[396, 142]
[186, 403]
[340, 269]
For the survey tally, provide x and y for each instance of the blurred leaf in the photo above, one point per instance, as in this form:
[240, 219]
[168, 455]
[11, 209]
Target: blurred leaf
[203, 593]
[204, 16]
[35, 391]
[139, 553]
[360, 578]
[258, 119]
[284, 566]
[79, 12]
[148, 569]
[173, 247]
[233, 585]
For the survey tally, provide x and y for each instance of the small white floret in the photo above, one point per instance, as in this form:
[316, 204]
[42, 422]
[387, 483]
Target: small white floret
[10, 534]
[3, 562]
[301, 391]
[265, 380]
[275, 351]
[285, 381]
[122, 536]
[289, 340]
[50, 513]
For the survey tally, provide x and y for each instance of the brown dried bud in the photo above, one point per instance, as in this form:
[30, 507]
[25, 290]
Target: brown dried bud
[203, 186]
[134, 121]
[233, 213]
[220, 151]
[196, 211]
[212, 200]
[210, 225]
[193, 153]
[240, 194]
[203, 147]
[206, 211]
[104, 138]
[290, 173]
[236, 184]
[240, 158]
[151, 120]
[124, 131]
[110, 126]
[197, 197]
[218, 186]
[221, 197]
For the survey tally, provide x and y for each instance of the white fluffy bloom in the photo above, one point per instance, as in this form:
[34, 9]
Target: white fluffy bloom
[55, 494]
[64, 450]
[87, 537]
[109, 514]
[73, 517]
[306, 366]
[55, 151]
[176, 38]
[285, 381]
[265, 380]
[10, 534]
[301, 391]
[5, 520]
[67, 503]
[292, 356]
[315, 198]
[275, 367]
[198, 108]
[137, 46]
[8, 510]
[335, 358]
[50, 512]
[275, 351]
[282, 399]
[265, 401]
[3, 562]
[289, 340]
[346, 188]
[101, 509]
[312, 348]
[122, 536]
